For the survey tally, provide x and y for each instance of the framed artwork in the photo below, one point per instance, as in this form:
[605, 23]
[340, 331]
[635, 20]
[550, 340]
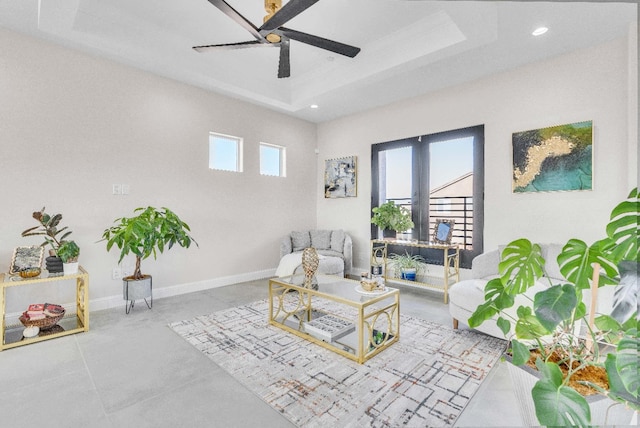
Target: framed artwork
[558, 158]
[25, 258]
[443, 230]
[340, 178]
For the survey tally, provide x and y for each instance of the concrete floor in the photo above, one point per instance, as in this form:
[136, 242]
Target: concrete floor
[133, 371]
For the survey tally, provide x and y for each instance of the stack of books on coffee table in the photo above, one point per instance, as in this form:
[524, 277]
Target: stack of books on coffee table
[329, 328]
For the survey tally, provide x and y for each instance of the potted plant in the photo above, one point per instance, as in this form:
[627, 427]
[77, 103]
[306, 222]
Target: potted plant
[69, 251]
[407, 265]
[49, 228]
[556, 326]
[391, 218]
[148, 232]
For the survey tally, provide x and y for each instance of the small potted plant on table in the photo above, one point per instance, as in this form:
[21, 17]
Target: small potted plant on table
[145, 234]
[49, 228]
[407, 265]
[392, 218]
[69, 251]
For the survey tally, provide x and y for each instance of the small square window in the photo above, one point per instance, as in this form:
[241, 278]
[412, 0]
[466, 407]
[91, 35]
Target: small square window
[272, 160]
[225, 152]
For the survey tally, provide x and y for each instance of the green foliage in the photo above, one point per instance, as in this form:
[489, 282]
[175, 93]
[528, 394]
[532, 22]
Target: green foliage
[520, 353]
[551, 323]
[406, 261]
[576, 263]
[554, 305]
[528, 326]
[556, 404]
[68, 251]
[147, 233]
[48, 228]
[393, 217]
[624, 229]
[496, 299]
[521, 265]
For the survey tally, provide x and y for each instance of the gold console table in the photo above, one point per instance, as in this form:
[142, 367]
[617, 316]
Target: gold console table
[69, 324]
[451, 263]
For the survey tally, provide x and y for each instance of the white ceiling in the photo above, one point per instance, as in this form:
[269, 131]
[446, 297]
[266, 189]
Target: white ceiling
[409, 47]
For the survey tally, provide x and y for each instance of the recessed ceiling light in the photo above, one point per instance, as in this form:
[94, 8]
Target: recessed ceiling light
[540, 31]
[314, 106]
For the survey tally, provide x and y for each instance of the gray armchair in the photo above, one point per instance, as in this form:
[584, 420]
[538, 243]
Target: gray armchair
[334, 247]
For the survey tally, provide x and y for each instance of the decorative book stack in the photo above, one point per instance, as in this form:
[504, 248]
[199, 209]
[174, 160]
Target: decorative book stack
[328, 328]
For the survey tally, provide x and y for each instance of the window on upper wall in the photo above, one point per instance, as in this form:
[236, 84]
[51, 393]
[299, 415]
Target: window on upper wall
[225, 152]
[435, 176]
[272, 160]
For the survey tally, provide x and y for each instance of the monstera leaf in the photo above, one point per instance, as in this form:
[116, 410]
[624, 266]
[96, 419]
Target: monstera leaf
[624, 228]
[496, 299]
[576, 261]
[558, 405]
[554, 305]
[522, 264]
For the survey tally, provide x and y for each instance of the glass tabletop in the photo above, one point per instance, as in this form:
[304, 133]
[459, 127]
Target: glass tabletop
[341, 287]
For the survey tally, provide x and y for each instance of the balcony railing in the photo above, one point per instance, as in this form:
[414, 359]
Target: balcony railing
[458, 208]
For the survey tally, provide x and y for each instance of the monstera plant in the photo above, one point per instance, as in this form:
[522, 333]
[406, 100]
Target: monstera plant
[551, 325]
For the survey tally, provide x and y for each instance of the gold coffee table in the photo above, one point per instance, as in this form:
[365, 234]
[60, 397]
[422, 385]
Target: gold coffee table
[339, 315]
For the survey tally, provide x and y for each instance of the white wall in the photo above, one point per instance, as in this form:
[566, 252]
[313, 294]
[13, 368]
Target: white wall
[71, 125]
[591, 84]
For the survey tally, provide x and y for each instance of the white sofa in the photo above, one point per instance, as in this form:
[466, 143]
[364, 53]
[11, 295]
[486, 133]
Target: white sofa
[334, 247]
[465, 296]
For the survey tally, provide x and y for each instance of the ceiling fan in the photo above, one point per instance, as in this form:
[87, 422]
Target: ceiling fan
[272, 33]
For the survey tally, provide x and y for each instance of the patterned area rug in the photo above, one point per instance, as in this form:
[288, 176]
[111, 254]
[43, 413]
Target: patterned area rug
[425, 379]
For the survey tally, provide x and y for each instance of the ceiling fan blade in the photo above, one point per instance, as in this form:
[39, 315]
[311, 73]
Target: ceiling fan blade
[235, 15]
[284, 65]
[289, 11]
[229, 46]
[319, 42]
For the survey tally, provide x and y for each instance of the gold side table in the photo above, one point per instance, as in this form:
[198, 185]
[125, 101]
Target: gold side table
[73, 323]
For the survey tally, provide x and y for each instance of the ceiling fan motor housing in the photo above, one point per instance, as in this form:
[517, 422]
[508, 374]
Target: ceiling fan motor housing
[272, 6]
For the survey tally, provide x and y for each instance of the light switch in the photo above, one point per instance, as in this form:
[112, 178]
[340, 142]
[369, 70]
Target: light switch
[117, 189]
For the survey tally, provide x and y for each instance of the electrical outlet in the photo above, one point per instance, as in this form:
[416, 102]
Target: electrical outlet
[125, 189]
[117, 273]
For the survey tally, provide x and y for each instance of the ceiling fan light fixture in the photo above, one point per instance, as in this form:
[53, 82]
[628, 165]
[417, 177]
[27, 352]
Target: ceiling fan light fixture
[273, 38]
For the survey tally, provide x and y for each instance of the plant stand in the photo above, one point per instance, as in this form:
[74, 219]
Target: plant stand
[135, 289]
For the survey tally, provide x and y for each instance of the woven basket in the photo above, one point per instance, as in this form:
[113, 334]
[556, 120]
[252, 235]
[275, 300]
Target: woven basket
[42, 324]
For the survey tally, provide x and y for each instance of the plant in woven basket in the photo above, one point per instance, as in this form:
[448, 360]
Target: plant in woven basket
[607, 343]
[49, 228]
[151, 231]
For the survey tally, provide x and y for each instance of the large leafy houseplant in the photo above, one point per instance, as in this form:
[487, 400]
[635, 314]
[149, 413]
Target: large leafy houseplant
[147, 233]
[552, 324]
[390, 216]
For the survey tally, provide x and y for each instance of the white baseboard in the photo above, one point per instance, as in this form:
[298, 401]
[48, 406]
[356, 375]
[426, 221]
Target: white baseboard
[159, 293]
